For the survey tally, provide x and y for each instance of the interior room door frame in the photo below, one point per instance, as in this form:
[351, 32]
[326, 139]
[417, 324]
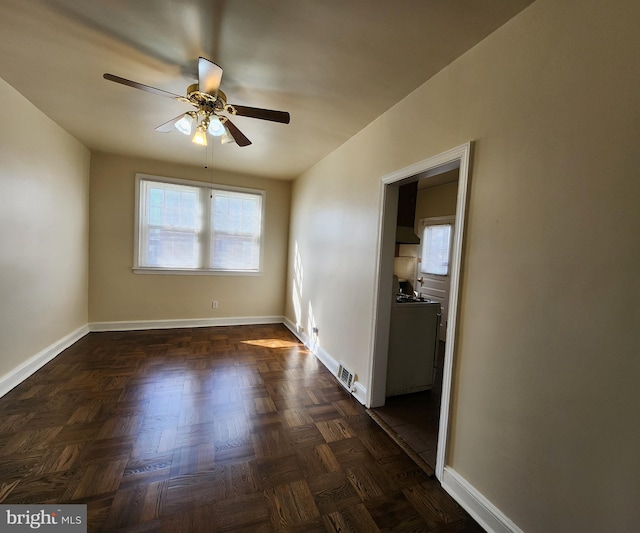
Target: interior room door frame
[458, 157]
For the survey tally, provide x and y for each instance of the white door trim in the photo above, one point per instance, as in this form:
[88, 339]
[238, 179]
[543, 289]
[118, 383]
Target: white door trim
[458, 157]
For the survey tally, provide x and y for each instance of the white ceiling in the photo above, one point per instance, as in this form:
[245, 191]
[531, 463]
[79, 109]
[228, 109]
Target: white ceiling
[335, 65]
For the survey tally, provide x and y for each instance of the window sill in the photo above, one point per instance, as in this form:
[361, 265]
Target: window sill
[190, 272]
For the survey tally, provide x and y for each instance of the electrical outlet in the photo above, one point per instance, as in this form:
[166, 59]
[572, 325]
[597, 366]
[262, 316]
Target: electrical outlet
[214, 304]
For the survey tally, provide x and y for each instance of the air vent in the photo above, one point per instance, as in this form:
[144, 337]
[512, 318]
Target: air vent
[346, 377]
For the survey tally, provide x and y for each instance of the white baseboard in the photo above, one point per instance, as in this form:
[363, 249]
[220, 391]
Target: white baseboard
[476, 504]
[296, 330]
[23, 371]
[325, 358]
[359, 392]
[134, 325]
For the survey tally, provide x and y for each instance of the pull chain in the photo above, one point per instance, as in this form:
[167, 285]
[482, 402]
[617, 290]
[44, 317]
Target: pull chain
[211, 171]
[209, 166]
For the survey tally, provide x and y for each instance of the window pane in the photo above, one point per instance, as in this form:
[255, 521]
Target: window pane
[435, 249]
[171, 216]
[249, 220]
[155, 215]
[235, 238]
[171, 248]
[234, 253]
[172, 198]
[220, 212]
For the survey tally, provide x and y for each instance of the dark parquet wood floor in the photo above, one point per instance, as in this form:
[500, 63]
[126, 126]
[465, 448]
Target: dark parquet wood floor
[209, 429]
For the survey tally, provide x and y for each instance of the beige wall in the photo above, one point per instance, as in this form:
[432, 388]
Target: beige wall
[545, 400]
[44, 229]
[117, 294]
[437, 201]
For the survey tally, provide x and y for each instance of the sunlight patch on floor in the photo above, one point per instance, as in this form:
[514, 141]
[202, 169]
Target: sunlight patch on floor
[272, 343]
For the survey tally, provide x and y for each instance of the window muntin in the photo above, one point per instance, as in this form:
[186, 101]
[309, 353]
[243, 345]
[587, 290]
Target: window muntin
[193, 227]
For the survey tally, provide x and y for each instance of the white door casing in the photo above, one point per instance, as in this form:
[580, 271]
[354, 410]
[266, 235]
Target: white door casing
[460, 158]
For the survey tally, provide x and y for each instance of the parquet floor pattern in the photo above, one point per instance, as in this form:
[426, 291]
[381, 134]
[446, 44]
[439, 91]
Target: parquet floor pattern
[209, 429]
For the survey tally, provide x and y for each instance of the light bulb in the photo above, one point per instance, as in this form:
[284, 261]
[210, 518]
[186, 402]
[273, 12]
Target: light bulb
[201, 136]
[185, 124]
[227, 137]
[216, 128]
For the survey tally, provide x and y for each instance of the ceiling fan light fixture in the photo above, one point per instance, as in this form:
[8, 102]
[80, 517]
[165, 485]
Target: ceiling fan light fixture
[208, 100]
[216, 127]
[201, 136]
[185, 124]
[227, 137]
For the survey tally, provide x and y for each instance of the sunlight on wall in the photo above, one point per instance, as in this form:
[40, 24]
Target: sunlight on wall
[297, 285]
[314, 339]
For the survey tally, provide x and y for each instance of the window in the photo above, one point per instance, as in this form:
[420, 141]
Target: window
[436, 242]
[185, 226]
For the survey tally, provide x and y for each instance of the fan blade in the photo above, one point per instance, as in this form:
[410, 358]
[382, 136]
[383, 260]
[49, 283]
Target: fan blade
[237, 135]
[264, 114]
[169, 126]
[147, 88]
[209, 77]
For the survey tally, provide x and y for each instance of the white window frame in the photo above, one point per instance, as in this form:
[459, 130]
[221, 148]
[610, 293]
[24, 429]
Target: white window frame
[206, 187]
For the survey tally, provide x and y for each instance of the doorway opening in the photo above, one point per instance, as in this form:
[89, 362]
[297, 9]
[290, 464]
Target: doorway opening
[426, 172]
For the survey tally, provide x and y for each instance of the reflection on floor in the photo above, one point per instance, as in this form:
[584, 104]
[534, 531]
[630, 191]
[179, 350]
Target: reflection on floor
[415, 417]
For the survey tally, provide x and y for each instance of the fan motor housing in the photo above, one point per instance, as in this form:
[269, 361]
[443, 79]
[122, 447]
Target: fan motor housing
[206, 103]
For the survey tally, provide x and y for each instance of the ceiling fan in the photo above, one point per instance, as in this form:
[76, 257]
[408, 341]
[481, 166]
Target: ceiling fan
[210, 102]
